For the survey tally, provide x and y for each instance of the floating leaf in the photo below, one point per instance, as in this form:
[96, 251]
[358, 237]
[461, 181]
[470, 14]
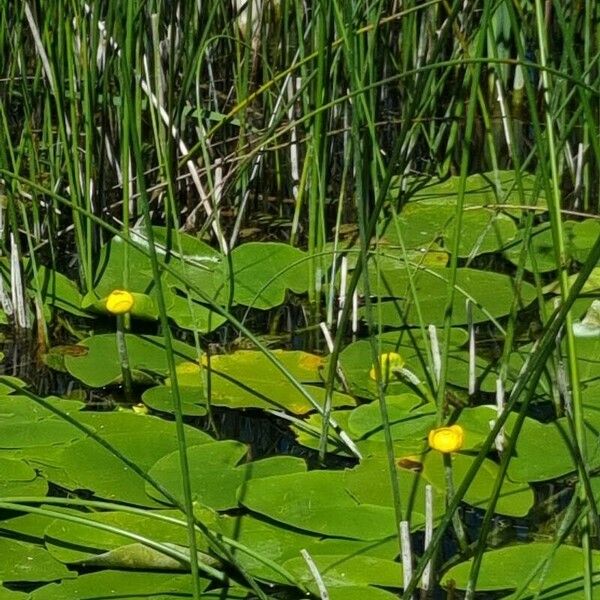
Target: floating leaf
[143, 439]
[358, 592]
[26, 424]
[505, 189]
[590, 325]
[355, 503]
[305, 367]
[59, 291]
[72, 542]
[160, 398]
[214, 473]
[247, 379]
[143, 306]
[201, 265]
[147, 355]
[343, 570]
[119, 585]
[518, 562]
[263, 271]
[356, 361]
[17, 478]
[420, 224]
[492, 295]
[515, 499]
[6, 594]
[22, 561]
[407, 420]
[278, 544]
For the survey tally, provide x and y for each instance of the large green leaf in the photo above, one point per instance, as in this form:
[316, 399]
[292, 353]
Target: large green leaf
[247, 379]
[17, 478]
[355, 503]
[119, 585]
[279, 543]
[360, 592]
[22, 561]
[343, 570]
[492, 295]
[263, 271]
[198, 263]
[58, 291]
[407, 420]
[72, 542]
[516, 499]
[420, 224]
[160, 398]
[101, 364]
[308, 433]
[482, 189]
[6, 594]
[89, 466]
[216, 473]
[356, 361]
[509, 568]
[26, 424]
[316, 501]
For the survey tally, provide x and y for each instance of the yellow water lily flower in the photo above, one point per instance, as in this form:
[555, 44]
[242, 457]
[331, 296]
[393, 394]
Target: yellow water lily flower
[447, 439]
[387, 363]
[119, 302]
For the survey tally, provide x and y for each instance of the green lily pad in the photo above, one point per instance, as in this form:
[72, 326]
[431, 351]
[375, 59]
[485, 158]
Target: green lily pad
[198, 263]
[492, 295]
[26, 424]
[216, 473]
[517, 564]
[101, 365]
[305, 367]
[21, 561]
[71, 542]
[263, 271]
[308, 433]
[356, 361]
[343, 570]
[59, 291]
[160, 398]
[359, 592]
[354, 504]
[483, 189]
[143, 307]
[516, 499]
[17, 478]
[247, 379]
[407, 419]
[119, 584]
[143, 439]
[278, 544]
[422, 223]
[315, 501]
[6, 594]
[10, 385]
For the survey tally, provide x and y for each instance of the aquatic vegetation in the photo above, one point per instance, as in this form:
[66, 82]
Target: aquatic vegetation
[296, 296]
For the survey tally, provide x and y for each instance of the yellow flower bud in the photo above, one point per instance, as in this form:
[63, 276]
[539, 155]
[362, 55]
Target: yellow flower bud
[447, 439]
[119, 302]
[387, 362]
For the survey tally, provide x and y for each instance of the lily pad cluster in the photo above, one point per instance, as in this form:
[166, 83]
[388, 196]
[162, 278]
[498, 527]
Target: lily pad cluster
[98, 498]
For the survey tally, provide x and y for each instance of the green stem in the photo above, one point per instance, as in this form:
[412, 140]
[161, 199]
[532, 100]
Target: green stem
[124, 358]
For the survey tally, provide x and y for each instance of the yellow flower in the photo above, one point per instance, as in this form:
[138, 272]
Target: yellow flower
[387, 363]
[447, 439]
[119, 302]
